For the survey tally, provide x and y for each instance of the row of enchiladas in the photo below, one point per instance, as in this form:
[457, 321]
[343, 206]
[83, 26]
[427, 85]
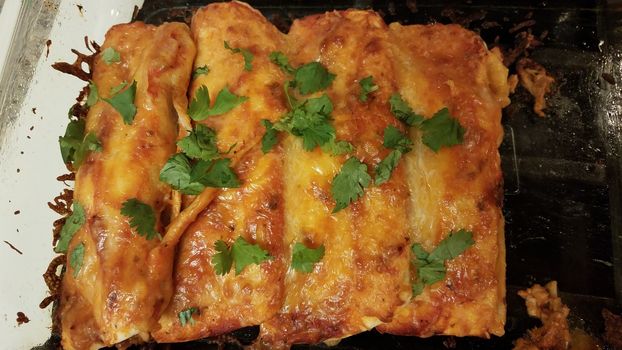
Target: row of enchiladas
[342, 177]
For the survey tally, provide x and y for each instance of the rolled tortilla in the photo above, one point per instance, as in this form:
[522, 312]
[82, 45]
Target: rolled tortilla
[254, 211]
[119, 292]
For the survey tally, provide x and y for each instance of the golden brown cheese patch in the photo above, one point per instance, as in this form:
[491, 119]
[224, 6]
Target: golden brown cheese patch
[458, 187]
[118, 293]
[253, 211]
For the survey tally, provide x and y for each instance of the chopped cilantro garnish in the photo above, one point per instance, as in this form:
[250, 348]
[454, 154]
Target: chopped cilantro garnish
[110, 55]
[282, 61]
[337, 148]
[312, 77]
[308, 78]
[291, 100]
[200, 143]
[367, 86]
[385, 168]
[394, 139]
[93, 95]
[245, 254]
[142, 217]
[71, 141]
[223, 259]
[123, 102]
[303, 258]
[442, 130]
[248, 56]
[311, 121]
[402, 111]
[216, 173]
[200, 108]
[431, 266]
[72, 224]
[348, 185]
[115, 89]
[89, 144]
[203, 70]
[75, 259]
[192, 179]
[270, 137]
[400, 144]
[176, 172]
[242, 253]
[185, 316]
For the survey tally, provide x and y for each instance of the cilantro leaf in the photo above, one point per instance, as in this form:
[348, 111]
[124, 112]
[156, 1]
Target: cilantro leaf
[291, 100]
[93, 95]
[431, 272]
[176, 172]
[142, 217]
[270, 138]
[402, 111]
[348, 185]
[337, 148]
[89, 144]
[312, 77]
[417, 287]
[453, 245]
[72, 224]
[200, 143]
[185, 316]
[395, 139]
[400, 144]
[223, 259]
[123, 102]
[226, 101]
[248, 56]
[203, 70]
[216, 173]
[367, 86]
[282, 61]
[71, 141]
[431, 266]
[419, 252]
[385, 168]
[303, 258]
[110, 55]
[318, 135]
[199, 108]
[115, 89]
[245, 254]
[311, 121]
[442, 130]
[75, 259]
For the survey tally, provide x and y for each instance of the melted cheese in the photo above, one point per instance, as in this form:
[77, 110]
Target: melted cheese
[364, 273]
[253, 211]
[458, 187]
[364, 279]
[119, 293]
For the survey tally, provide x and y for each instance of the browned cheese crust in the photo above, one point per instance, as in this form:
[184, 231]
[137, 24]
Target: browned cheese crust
[253, 211]
[364, 279]
[363, 276]
[458, 187]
